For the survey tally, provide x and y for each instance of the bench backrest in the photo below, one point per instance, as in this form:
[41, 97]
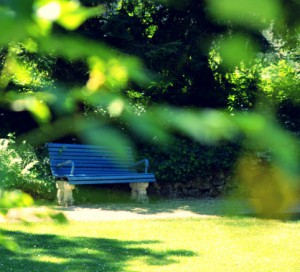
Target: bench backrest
[88, 159]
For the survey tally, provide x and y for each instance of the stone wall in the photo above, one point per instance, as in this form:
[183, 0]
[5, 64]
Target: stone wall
[212, 186]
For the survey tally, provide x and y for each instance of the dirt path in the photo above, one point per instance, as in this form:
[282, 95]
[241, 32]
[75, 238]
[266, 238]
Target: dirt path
[99, 214]
[121, 211]
[134, 211]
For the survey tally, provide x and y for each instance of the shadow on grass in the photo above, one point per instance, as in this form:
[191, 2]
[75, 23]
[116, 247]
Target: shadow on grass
[56, 253]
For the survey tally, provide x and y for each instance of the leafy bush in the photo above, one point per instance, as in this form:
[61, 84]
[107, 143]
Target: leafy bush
[184, 161]
[21, 169]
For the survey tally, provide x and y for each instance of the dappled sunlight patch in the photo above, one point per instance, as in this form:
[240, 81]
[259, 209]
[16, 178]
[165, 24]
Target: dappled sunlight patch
[118, 72]
[103, 214]
[116, 107]
[140, 210]
[50, 259]
[37, 108]
[96, 80]
[51, 11]
[97, 76]
[109, 74]
[69, 14]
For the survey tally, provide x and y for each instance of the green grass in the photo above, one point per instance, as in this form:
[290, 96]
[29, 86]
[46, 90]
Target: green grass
[218, 243]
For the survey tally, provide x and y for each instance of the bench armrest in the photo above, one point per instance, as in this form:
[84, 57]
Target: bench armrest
[65, 163]
[145, 161]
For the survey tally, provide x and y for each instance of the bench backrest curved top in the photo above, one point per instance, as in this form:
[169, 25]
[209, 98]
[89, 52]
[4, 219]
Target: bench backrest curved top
[88, 160]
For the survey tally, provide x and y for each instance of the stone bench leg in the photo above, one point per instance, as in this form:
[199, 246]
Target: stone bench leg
[64, 193]
[139, 191]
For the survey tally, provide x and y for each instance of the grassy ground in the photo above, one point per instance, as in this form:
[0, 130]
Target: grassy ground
[218, 243]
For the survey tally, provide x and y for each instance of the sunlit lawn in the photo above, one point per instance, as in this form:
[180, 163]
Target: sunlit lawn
[200, 244]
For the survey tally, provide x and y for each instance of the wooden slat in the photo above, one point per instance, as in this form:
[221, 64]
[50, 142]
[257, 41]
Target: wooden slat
[112, 176]
[89, 157]
[73, 148]
[91, 173]
[90, 182]
[84, 159]
[93, 164]
[94, 170]
[88, 152]
[55, 161]
[96, 151]
[81, 146]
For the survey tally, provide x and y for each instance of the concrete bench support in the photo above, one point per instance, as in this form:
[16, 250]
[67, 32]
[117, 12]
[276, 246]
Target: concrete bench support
[139, 191]
[64, 193]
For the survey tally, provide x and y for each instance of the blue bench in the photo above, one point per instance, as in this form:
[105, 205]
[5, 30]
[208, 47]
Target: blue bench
[76, 164]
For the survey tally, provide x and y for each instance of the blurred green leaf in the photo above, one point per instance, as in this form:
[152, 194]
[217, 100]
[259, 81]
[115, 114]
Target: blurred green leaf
[21, 8]
[75, 48]
[256, 14]
[7, 243]
[12, 29]
[149, 126]
[236, 49]
[207, 126]
[53, 130]
[40, 111]
[72, 16]
[30, 45]
[14, 199]
[93, 133]
[136, 70]
[35, 106]
[264, 134]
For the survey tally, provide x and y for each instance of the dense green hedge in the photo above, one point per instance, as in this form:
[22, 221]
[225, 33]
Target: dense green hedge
[184, 160]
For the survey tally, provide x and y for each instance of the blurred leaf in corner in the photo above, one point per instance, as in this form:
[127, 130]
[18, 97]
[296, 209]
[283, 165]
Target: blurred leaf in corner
[68, 13]
[254, 14]
[263, 133]
[272, 191]
[13, 199]
[20, 9]
[269, 169]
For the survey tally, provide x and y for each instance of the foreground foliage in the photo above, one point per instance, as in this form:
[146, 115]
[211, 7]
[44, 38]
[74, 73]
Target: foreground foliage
[21, 169]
